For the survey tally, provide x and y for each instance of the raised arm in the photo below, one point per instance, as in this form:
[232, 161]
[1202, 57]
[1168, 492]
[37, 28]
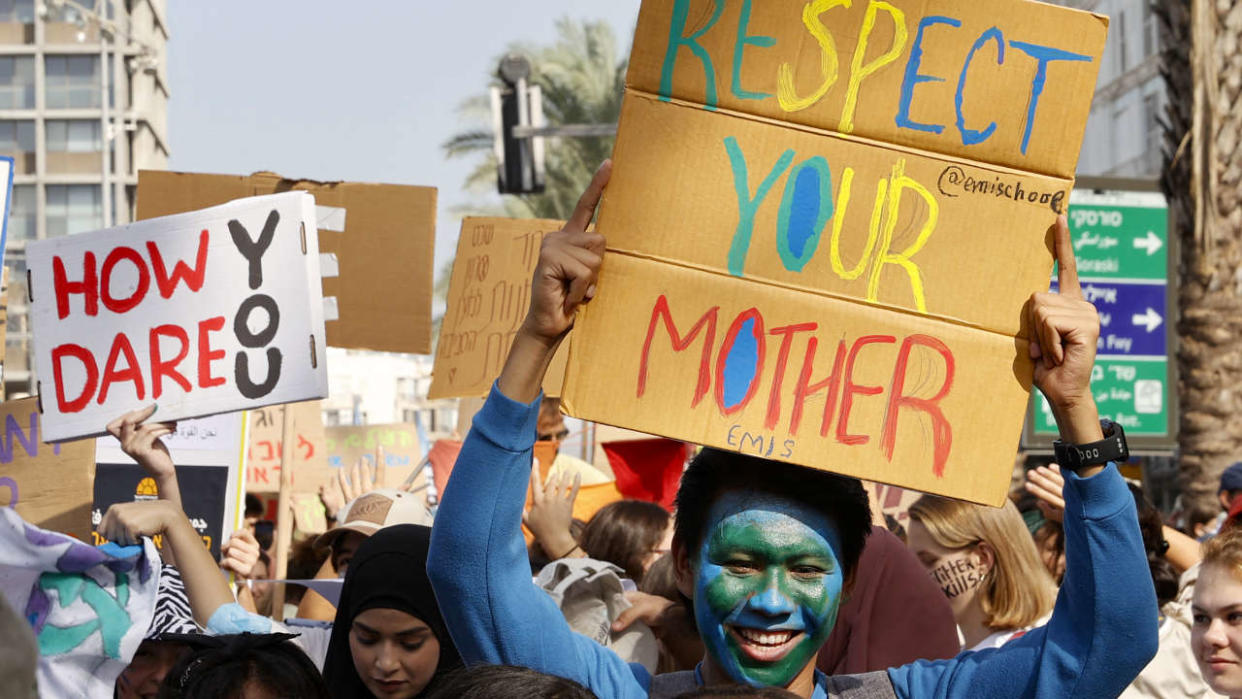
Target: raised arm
[477, 563]
[1103, 629]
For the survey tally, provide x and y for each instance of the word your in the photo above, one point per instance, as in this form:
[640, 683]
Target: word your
[741, 358]
[957, 576]
[806, 207]
[686, 31]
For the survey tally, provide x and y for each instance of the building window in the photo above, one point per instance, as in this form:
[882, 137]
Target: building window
[20, 11]
[23, 213]
[73, 208]
[74, 136]
[1151, 31]
[17, 137]
[72, 82]
[17, 89]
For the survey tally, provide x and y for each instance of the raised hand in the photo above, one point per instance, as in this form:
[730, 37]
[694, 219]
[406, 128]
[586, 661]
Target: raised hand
[1065, 331]
[241, 553]
[141, 441]
[552, 511]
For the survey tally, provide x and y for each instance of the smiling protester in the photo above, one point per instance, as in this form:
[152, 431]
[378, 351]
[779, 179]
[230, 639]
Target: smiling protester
[766, 551]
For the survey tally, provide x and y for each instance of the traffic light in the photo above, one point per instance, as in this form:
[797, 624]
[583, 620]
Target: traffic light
[516, 107]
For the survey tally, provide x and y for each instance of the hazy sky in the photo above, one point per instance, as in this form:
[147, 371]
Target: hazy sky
[363, 90]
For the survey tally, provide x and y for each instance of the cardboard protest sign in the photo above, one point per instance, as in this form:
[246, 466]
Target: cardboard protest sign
[210, 456]
[310, 464]
[489, 295]
[380, 237]
[399, 442]
[48, 484]
[823, 227]
[203, 313]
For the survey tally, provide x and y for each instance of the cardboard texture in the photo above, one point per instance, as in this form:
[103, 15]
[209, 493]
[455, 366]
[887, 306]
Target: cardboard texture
[50, 485]
[820, 246]
[346, 444]
[310, 461]
[203, 313]
[383, 242]
[489, 294]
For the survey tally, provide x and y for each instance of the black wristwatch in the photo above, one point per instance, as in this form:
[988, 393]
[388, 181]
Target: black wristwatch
[1111, 448]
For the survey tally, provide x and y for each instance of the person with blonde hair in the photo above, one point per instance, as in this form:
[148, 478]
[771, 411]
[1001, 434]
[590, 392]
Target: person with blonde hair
[986, 563]
[1216, 629]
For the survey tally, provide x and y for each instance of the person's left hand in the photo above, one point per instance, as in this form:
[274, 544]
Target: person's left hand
[1046, 483]
[241, 553]
[552, 511]
[1065, 329]
[127, 522]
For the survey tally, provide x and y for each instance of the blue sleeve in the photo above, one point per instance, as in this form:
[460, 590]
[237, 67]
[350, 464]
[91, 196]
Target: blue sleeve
[1103, 630]
[480, 571]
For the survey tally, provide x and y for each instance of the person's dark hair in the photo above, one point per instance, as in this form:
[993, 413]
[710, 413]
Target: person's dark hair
[661, 579]
[1199, 512]
[254, 505]
[713, 473]
[504, 681]
[1151, 524]
[225, 666]
[305, 560]
[625, 533]
[732, 691]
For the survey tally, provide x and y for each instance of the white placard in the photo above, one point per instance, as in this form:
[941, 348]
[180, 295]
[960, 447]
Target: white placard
[203, 313]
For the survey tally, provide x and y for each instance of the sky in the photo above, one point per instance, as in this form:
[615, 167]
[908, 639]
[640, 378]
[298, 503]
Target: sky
[364, 91]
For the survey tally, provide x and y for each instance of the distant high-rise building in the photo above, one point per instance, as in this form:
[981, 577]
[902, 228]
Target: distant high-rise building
[1123, 136]
[83, 107]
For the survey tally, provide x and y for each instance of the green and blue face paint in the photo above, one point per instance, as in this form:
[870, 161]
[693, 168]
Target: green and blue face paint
[767, 586]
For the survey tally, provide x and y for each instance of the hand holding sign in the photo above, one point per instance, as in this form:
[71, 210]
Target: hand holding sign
[1065, 329]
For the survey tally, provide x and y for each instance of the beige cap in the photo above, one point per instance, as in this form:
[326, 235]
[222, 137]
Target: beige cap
[370, 512]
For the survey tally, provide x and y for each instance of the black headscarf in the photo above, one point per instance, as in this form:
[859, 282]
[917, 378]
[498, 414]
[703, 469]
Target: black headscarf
[388, 571]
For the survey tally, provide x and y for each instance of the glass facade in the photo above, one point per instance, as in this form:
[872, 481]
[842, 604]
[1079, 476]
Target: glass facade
[74, 136]
[23, 213]
[72, 82]
[17, 82]
[73, 208]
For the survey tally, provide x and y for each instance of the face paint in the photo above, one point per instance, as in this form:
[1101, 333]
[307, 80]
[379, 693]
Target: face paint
[767, 586]
[957, 575]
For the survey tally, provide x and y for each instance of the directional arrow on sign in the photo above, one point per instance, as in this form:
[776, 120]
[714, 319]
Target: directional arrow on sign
[1150, 320]
[1151, 243]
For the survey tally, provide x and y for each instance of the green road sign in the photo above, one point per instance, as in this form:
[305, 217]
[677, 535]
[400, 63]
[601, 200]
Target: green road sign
[1121, 241]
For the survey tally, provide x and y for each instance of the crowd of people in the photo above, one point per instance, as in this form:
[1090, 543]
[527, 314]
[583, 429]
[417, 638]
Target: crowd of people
[766, 580]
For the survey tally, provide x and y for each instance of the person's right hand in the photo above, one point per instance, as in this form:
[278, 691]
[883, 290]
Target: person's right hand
[127, 522]
[569, 261]
[649, 609]
[241, 553]
[552, 511]
[140, 440]
[1046, 483]
[345, 487]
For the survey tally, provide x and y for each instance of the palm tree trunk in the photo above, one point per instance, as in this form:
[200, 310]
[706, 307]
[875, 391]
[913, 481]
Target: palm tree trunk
[1203, 171]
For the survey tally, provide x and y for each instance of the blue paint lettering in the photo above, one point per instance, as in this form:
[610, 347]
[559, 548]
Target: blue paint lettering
[747, 205]
[739, 49]
[1043, 56]
[913, 77]
[805, 210]
[971, 137]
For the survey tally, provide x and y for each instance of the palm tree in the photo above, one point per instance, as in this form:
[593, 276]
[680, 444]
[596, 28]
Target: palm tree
[1203, 179]
[582, 79]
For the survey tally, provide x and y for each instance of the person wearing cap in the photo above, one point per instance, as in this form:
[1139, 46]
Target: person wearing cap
[1230, 503]
[358, 519]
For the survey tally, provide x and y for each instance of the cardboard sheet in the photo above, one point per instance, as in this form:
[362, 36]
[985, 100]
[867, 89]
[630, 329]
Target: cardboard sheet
[202, 313]
[489, 295]
[823, 223]
[49, 484]
[346, 444]
[382, 236]
[310, 460]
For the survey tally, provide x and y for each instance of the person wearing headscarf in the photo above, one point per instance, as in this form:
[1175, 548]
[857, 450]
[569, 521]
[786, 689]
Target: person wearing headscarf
[388, 639]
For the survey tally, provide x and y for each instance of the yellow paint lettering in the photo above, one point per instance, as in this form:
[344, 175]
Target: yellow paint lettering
[899, 182]
[873, 231]
[786, 93]
[859, 71]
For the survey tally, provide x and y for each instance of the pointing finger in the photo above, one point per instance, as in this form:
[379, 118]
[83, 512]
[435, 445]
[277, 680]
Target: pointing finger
[585, 210]
[1067, 265]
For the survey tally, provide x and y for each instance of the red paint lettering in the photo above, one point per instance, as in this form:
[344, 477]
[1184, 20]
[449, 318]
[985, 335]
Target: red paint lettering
[193, 278]
[847, 400]
[782, 358]
[127, 304]
[942, 431]
[206, 355]
[121, 345]
[805, 388]
[160, 367]
[722, 359]
[88, 287]
[92, 377]
[708, 320]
